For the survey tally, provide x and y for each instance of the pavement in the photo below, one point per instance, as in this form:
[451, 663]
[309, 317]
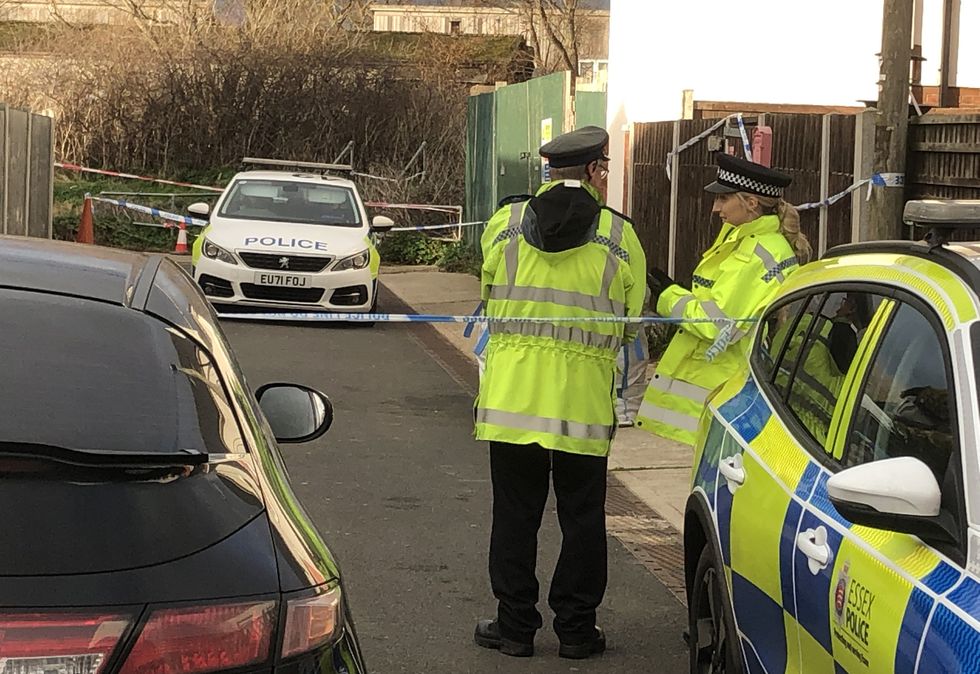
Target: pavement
[400, 491]
[657, 471]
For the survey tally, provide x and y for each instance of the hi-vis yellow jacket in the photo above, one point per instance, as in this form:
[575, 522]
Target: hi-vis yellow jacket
[734, 279]
[553, 383]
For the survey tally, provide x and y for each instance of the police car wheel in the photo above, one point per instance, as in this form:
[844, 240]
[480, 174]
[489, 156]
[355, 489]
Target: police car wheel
[712, 642]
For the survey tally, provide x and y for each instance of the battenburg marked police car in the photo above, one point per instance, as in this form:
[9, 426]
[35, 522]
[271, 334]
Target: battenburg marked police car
[289, 239]
[834, 519]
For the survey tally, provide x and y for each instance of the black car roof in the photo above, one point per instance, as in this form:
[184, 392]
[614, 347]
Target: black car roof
[148, 283]
[91, 272]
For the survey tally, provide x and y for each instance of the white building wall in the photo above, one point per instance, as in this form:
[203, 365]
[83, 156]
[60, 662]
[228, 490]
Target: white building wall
[766, 51]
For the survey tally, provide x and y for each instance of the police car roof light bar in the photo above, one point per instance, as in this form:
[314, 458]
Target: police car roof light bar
[287, 163]
[943, 217]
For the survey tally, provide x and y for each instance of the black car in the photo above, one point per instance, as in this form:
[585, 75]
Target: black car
[147, 524]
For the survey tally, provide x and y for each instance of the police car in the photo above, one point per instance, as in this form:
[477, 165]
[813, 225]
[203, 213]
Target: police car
[834, 519]
[289, 239]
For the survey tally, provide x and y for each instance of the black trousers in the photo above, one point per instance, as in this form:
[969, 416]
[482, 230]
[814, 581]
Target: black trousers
[520, 475]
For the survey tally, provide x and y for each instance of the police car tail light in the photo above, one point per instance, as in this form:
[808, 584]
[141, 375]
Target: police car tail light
[197, 639]
[216, 252]
[359, 261]
[311, 622]
[63, 643]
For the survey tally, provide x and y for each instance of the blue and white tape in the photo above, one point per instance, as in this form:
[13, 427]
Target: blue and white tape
[888, 179]
[746, 147]
[695, 140]
[149, 210]
[332, 317]
[830, 201]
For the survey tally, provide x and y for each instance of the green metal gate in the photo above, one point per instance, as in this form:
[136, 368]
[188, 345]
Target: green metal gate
[505, 128]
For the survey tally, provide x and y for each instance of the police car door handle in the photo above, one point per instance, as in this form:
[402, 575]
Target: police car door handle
[813, 544]
[733, 470]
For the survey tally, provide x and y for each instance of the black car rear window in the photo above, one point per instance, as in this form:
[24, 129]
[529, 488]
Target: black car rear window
[86, 375]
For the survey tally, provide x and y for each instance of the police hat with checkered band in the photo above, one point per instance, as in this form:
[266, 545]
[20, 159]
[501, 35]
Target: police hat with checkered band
[739, 175]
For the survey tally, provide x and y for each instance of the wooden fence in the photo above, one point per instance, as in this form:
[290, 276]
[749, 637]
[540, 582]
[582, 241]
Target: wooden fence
[944, 160]
[825, 154]
[26, 172]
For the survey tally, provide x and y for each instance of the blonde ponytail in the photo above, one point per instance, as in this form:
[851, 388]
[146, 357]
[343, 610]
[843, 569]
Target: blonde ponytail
[789, 227]
[789, 224]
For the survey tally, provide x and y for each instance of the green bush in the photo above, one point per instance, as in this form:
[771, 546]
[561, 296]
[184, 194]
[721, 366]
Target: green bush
[461, 259]
[113, 226]
[411, 248]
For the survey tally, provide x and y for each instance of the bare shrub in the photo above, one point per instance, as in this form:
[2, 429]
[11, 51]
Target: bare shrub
[202, 95]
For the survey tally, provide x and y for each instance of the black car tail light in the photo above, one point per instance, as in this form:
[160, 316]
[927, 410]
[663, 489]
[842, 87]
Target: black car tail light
[311, 622]
[59, 643]
[198, 639]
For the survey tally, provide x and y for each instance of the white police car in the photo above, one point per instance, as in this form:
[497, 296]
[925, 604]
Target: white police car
[289, 239]
[834, 518]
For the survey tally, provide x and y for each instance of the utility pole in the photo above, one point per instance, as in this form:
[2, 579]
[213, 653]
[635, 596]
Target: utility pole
[892, 119]
[950, 52]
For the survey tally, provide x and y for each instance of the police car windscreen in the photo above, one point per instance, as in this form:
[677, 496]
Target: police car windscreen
[85, 375]
[283, 201]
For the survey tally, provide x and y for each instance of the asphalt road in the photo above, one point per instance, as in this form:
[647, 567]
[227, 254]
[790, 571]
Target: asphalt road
[401, 492]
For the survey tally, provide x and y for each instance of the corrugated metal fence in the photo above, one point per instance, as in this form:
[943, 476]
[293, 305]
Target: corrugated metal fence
[825, 154]
[26, 172]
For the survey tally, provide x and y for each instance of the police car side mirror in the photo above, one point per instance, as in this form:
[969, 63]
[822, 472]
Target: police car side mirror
[382, 224]
[200, 208]
[899, 494]
[295, 413]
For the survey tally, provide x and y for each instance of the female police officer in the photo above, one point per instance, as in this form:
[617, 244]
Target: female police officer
[759, 245]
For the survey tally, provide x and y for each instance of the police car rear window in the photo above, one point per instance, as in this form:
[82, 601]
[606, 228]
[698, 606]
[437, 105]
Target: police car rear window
[85, 375]
[294, 202]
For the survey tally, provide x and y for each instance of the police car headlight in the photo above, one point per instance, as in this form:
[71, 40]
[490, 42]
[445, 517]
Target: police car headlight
[216, 252]
[359, 261]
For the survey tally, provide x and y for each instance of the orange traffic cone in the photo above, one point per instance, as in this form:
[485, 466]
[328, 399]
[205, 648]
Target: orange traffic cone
[86, 226]
[181, 248]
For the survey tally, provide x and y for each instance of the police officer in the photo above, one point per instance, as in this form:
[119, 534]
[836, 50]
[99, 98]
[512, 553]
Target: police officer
[759, 245]
[546, 401]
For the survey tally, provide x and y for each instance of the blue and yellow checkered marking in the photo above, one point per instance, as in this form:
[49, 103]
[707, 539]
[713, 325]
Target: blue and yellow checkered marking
[950, 645]
[942, 578]
[913, 626]
[786, 616]
[966, 596]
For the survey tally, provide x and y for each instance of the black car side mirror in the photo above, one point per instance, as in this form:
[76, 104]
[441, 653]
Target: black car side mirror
[296, 413]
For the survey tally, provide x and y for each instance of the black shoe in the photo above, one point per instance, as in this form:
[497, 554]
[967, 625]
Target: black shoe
[594, 646]
[487, 635]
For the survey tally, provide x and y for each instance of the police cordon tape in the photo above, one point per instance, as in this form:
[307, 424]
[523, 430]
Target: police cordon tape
[697, 139]
[332, 317]
[131, 176]
[725, 334]
[195, 222]
[149, 210]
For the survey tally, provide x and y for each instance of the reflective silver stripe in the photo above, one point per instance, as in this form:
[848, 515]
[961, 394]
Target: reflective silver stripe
[773, 268]
[612, 262]
[678, 310]
[564, 427]
[609, 274]
[561, 333]
[566, 298]
[669, 417]
[511, 251]
[713, 310]
[680, 388]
